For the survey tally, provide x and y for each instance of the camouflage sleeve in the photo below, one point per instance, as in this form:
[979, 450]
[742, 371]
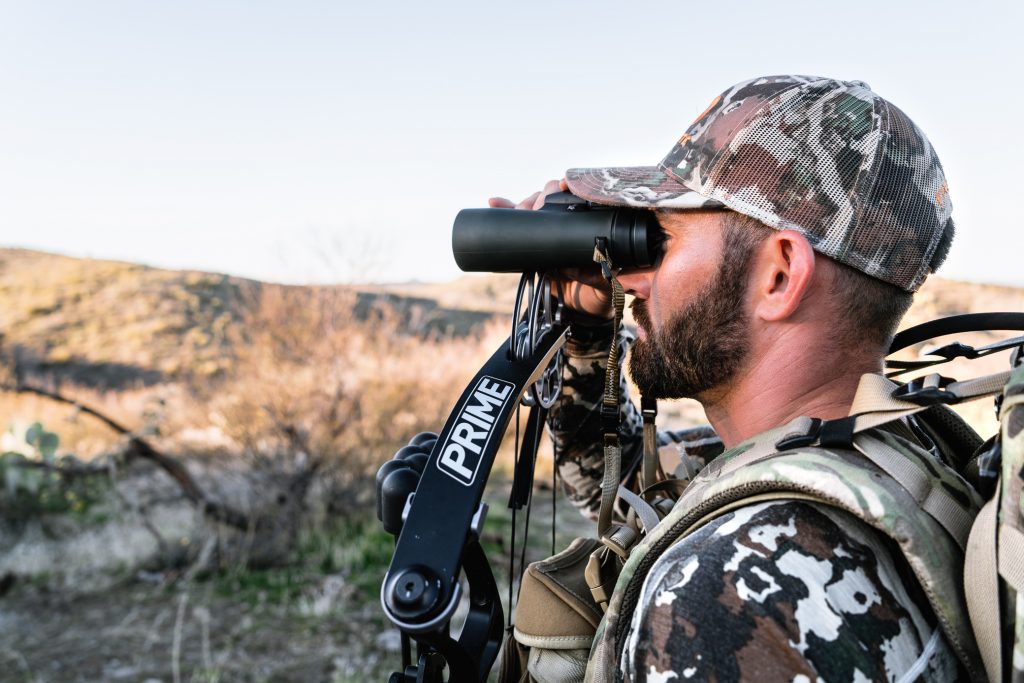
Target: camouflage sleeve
[574, 422]
[784, 591]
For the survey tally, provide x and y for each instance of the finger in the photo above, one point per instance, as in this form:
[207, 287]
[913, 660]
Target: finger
[563, 185]
[586, 299]
[550, 187]
[590, 275]
[528, 202]
[500, 203]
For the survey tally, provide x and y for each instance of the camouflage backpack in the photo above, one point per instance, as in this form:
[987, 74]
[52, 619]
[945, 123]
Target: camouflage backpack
[994, 571]
[889, 482]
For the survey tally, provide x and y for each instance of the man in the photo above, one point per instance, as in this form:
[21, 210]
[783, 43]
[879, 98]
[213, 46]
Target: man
[799, 214]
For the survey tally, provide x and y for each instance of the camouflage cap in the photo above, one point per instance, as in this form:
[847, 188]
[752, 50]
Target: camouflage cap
[828, 158]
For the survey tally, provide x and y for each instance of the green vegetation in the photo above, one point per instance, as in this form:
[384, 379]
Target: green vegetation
[357, 550]
[35, 481]
[248, 386]
[276, 586]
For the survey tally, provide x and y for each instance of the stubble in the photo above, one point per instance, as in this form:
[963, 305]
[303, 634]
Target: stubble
[701, 346]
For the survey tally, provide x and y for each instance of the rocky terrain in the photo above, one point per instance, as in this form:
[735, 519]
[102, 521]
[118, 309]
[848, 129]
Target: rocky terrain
[279, 402]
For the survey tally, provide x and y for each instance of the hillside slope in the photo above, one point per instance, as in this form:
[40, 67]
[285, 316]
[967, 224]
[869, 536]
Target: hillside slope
[110, 324]
[113, 325]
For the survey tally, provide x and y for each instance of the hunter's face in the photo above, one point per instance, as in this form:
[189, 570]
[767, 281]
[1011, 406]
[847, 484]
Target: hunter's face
[689, 310]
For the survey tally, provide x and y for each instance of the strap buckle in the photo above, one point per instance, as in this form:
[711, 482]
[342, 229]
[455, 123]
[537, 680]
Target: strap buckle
[954, 350]
[648, 408]
[805, 434]
[926, 391]
[610, 419]
[813, 431]
[620, 540]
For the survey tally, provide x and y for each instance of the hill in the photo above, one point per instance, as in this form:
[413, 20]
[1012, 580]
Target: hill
[110, 324]
[265, 379]
[122, 326]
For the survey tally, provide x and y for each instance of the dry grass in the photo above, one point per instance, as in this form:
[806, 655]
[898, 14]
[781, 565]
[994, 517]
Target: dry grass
[223, 364]
[251, 383]
[110, 324]
[310, 379]
[495, 292]
[220, 364]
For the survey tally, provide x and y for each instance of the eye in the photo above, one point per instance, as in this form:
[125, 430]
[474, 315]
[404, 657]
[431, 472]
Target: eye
[661, 240]
[663, 235]
[658, 241]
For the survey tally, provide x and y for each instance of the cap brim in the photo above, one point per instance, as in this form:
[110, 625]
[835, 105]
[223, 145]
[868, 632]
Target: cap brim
[640, 186]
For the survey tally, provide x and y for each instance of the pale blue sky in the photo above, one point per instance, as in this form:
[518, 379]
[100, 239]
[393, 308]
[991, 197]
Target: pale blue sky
[324, 141]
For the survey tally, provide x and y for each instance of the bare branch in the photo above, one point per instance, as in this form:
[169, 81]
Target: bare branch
[22, 388]
[137, 446]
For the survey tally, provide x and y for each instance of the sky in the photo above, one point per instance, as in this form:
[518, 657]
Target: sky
[335, 141]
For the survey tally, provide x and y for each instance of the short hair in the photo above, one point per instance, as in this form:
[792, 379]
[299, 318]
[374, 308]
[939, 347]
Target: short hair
[868, 310]
[872, 308]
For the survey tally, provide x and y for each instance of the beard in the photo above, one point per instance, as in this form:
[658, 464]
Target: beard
[700, 347]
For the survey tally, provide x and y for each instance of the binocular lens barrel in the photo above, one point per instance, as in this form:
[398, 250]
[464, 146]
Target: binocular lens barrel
[512, 241]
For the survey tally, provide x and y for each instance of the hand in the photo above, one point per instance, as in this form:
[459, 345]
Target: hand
[585, 291]
[534, 201]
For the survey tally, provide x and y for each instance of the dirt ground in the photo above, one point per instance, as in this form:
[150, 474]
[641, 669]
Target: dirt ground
[283, 625]
[188, 632]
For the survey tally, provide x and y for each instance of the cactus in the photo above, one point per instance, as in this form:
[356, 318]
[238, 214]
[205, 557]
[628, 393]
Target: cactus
[33, 480]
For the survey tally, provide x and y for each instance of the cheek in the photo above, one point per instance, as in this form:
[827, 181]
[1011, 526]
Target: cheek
[681, 277]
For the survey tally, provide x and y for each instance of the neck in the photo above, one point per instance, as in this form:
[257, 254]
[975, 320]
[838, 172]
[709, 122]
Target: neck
[782, 381]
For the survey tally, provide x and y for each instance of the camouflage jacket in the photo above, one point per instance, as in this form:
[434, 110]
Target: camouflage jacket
[779, 591]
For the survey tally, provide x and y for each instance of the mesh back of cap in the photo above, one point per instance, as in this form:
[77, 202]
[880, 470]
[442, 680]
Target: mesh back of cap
[827, 158]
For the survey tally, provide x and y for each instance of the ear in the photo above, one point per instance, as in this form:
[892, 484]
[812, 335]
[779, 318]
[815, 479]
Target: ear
[783, 273]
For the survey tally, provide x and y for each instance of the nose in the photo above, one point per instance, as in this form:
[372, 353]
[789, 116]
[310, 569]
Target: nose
[637, 282]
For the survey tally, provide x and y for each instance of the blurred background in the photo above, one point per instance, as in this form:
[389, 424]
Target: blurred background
[227, 292]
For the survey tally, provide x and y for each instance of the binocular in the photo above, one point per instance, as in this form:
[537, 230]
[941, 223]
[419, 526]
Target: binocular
[562, 234]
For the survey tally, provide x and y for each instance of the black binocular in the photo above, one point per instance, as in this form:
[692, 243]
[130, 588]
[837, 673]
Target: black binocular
[562, 234]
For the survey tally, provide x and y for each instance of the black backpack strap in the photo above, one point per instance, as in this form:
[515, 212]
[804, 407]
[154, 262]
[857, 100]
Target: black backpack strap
[957, 324]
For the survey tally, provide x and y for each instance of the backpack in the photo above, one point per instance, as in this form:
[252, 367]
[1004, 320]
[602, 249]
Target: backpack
[859, 464]
[994, 570]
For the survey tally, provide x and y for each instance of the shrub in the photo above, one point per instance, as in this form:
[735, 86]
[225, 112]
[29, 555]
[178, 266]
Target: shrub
[313, 382]
[35, 481]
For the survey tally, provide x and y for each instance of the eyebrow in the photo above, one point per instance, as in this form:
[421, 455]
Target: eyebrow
[662, 215]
